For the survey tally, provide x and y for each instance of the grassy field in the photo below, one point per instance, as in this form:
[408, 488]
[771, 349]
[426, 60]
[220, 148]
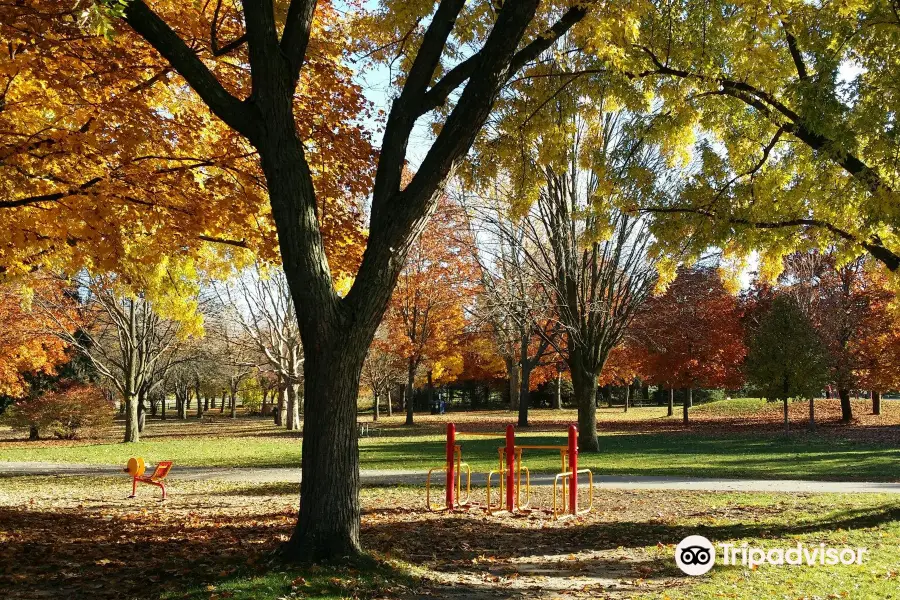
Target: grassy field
[79, 538]
[737, 438]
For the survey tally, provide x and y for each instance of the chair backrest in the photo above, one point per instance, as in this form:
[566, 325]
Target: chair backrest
[162, 469]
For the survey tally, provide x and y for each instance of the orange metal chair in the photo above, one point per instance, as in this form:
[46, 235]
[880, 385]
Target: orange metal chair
[136, 469]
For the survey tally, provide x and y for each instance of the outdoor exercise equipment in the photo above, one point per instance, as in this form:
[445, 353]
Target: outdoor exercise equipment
[510, 473]
[136, 468]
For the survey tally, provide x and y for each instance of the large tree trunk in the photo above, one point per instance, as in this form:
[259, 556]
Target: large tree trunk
[585, 387]
[132, 434]
[627, 396]
[233, 400]
[222, 405]
[33, 433]
[812, 413]
[410, 380]
[328, 524]
[686, 404]
[375, 402]
[671, 412]
[846, 407]
[876, 402]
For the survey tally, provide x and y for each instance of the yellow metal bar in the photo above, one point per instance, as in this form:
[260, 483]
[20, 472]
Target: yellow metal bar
[562, 478]
[500, 476]
[428, 486]
[460, 467]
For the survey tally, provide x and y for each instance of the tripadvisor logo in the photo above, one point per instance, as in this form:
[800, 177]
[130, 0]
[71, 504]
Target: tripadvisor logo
[695, 555]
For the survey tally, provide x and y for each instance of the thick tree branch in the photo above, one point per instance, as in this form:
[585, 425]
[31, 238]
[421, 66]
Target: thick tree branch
[439, 92]
[873, 246]
[796, 55]
[159, 35]
[404, 110]
[295, 38]
[770, 107]
[20, 202]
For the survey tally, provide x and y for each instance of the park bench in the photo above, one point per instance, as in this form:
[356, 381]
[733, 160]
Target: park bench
[136, 469]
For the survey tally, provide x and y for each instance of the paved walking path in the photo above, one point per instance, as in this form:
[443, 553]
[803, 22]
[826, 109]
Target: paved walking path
[412, 477]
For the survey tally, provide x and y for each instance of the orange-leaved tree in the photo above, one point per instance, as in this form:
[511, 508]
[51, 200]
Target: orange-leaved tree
[427, 315]
[27, 341]
[692, 334]
[107, 159]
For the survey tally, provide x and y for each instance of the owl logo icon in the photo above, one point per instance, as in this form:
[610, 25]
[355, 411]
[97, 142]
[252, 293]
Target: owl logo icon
[695, 555]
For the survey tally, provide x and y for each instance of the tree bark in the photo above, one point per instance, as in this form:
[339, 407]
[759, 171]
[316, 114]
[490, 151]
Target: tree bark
[132, 434]
[222, 404]
[375, 402]
[686, 404]
[846, 407]
[281, 406]
[627, 396]
[524, 393]
[233, 399]
[671, 412]
[33, 433]
[199, 400]
[512, 372]
[787, 425]
[585, 387]
[876, 402]
[410, 380]
[142, 412]
[390, 404]
[162, 405]
[812, 413]
[558, 391]
[293, 407]
[328, 523]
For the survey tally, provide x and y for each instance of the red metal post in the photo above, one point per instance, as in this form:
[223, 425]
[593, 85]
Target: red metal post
[573, 468]
[510, 465]
[451, 464]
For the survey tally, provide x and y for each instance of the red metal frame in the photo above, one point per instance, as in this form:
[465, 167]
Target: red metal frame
[451, 464]
[156, 478]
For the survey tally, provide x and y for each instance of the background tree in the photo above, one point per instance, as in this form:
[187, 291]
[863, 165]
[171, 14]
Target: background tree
[693, 335]
[65, 412]
[383, 370]
[131, 340]
[786, 359]
[261, 307]
[428, 304]
[27, 345]
[876, 351]
[837, 300]
[520, 316]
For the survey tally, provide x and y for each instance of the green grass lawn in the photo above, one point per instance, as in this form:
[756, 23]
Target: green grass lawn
[798, 455]
[729, 443]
